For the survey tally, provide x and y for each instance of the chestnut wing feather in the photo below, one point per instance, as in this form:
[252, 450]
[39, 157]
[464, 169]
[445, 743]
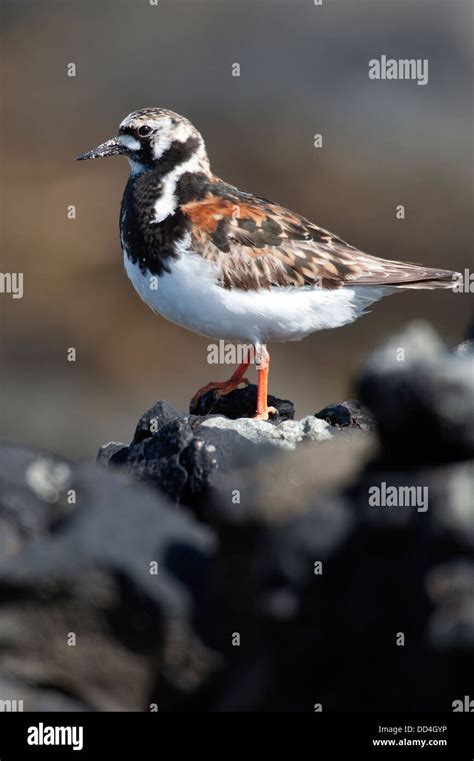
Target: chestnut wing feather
[258, 244]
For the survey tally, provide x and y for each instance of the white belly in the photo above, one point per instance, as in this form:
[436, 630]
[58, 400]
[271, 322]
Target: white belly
[189, 296]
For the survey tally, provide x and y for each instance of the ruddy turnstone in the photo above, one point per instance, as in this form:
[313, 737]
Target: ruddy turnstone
[226, 264]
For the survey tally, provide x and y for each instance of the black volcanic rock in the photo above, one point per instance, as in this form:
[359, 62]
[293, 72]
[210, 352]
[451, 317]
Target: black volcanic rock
[422, 398]
[287, 580]
[183, 455]
[182, 458]
[212, 453]
[241, 403]
[349, 414]
[153, 419]
[113, 450]
[92, 605]
[33, 495]
[157, 459]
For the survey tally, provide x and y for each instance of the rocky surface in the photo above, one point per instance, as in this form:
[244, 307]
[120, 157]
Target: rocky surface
[184, 455]
[422, 398]
[98, 584]
[241, 403]
[350, 414]
[219, 564]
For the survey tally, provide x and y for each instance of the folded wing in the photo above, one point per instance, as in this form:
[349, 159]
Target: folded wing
[258, 244]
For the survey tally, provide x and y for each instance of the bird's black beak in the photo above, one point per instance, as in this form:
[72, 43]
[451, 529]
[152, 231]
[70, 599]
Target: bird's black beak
[109, 148]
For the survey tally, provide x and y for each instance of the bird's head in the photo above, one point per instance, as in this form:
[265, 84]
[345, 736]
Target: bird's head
[151, 137]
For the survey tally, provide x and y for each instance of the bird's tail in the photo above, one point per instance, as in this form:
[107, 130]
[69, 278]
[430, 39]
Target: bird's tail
[375, 271]
[430, 279]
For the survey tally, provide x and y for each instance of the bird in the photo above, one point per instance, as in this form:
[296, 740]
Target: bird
[227, 264]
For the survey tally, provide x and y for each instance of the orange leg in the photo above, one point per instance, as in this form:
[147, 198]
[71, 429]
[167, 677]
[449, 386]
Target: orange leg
[263, 410]
[225, 387]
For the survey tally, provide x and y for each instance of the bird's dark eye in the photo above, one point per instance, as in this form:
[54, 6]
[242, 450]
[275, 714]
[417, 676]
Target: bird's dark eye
[144, 130]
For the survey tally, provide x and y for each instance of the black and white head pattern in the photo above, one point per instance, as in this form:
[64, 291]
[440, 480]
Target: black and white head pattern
[154, 136]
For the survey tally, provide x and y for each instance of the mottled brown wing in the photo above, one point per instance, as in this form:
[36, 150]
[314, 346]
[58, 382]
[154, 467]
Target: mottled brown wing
[258, 244]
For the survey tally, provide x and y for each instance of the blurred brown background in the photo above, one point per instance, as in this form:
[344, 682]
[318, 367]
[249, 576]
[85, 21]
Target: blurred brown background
[304, 70]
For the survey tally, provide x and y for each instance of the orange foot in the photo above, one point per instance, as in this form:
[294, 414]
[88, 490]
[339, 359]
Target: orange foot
[265, 414]
[222, 387]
